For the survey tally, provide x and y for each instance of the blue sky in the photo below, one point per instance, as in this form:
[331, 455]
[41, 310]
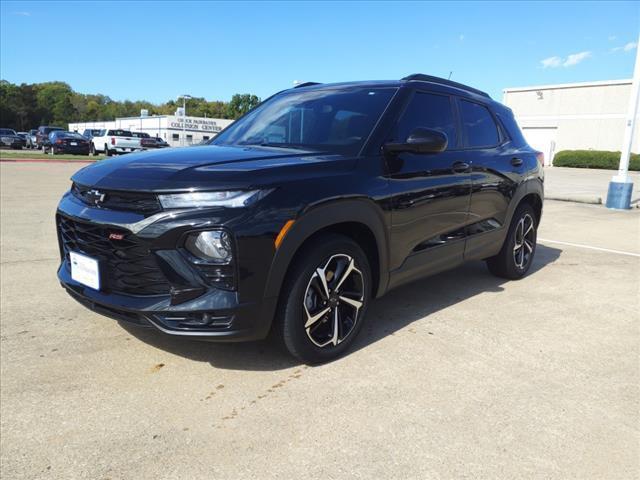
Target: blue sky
[158, 50]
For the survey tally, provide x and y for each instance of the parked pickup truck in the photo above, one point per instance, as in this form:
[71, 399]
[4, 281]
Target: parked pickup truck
[114, 141]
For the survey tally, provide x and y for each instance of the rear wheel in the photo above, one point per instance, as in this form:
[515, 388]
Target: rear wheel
[107, 152]
[325, 298]
[516, 256]
[92, 149]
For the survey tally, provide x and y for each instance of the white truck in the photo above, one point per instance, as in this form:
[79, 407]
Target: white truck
[114, 140]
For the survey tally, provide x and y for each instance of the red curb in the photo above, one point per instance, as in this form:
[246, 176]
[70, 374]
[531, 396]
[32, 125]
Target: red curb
[40, 160]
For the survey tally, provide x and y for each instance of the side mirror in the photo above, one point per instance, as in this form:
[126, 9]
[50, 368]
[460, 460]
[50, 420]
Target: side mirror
[421, 140]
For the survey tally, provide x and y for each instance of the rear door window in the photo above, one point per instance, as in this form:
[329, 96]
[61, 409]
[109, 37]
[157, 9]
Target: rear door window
[480, 129]
[428, 110]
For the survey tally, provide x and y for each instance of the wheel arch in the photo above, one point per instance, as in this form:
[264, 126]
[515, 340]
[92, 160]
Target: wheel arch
[532, 192]
[359, 219]
[535, 201]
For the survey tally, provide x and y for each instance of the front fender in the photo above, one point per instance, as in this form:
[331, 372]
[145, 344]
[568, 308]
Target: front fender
[320, 216]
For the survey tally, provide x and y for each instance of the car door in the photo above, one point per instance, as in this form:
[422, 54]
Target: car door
[429, 193]
[495, 171]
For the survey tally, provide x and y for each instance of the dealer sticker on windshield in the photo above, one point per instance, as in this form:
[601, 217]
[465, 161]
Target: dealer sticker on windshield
[85, 270]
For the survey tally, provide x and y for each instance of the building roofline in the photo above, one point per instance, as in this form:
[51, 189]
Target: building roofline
[600, 83]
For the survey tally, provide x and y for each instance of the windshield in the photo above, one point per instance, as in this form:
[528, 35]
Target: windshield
[329, 120]
[7, 131]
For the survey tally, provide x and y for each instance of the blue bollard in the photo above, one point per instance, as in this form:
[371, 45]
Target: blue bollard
[619, 195]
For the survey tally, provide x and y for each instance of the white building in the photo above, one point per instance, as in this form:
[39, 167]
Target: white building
[572, 116]
[175, 130]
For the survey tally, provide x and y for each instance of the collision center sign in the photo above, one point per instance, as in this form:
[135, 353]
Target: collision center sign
[197, 124]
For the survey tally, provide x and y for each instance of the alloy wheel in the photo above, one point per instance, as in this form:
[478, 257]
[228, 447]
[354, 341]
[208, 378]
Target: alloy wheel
[524, 241]
[333, 300]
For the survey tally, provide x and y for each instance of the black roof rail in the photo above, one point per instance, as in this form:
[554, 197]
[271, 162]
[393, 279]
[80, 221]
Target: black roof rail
[306, 84]
[429, 78]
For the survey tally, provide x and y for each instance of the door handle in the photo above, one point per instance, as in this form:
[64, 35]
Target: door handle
[516, 162]
[460, 167]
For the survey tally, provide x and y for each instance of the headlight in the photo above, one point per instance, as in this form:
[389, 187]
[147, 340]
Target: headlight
[213, 246]
[231, 199]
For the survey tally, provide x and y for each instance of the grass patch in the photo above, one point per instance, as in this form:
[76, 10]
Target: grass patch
[35, 154]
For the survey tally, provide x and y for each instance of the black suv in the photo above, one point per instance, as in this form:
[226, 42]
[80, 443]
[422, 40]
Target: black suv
[42, 136]
[302, 212]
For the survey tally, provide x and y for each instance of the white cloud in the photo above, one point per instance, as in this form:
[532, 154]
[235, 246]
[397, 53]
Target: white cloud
[551, 62]
[576, 58]
[22, 14]
[570, 61]
[625, 48]
[461, 37]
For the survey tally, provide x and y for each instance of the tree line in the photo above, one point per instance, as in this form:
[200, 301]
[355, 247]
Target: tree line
[26, 106]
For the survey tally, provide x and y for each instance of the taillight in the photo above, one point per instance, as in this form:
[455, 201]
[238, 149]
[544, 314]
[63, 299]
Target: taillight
[113, 141]
[540, 157]
[59, 142]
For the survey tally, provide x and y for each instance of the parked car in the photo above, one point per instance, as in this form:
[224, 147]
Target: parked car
[140, 134]
[91, 132]
[24, 136]
[147, 141]
[160, 143]
[42, 135]
[10, 139]
[66, 142]
[31, 138]
[302, 212]
[110, 141]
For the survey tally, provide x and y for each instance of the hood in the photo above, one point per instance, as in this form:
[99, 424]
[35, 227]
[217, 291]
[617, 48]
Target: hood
[209, 167]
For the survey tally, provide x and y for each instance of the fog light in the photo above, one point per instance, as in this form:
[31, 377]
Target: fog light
[212, 246]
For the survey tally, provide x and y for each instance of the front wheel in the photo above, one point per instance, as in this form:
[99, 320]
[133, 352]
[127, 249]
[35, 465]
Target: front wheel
[516, 256]
[324, 299]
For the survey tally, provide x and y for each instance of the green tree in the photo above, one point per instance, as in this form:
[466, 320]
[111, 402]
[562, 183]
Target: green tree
[27, 106]
[240, 104]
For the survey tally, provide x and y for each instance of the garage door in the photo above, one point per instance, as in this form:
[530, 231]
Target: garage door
[542, 139]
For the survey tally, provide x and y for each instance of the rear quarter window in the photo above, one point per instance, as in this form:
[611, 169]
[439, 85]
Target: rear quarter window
[479, 127]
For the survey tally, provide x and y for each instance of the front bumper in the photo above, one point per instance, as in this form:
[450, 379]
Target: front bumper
[228, 320]
[191, 307]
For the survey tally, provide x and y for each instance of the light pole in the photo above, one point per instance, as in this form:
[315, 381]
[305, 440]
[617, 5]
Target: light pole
[184, 115]
[620, 187]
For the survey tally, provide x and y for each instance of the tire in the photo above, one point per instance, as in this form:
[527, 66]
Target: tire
[516, 255]
[305, 331]
[107, 152]
[92, 149]
[52, 151]
[44, 149]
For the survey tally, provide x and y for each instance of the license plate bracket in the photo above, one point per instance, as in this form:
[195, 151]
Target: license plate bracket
[85, 270]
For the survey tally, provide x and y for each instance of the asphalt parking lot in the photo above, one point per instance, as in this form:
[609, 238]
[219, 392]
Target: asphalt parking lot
[458, 376]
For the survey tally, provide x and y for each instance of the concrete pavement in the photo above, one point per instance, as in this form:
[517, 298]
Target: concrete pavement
[462, 375]
[584, 184]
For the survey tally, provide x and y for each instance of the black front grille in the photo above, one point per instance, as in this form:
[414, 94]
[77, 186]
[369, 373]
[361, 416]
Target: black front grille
[127, 265]
[144, 203]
